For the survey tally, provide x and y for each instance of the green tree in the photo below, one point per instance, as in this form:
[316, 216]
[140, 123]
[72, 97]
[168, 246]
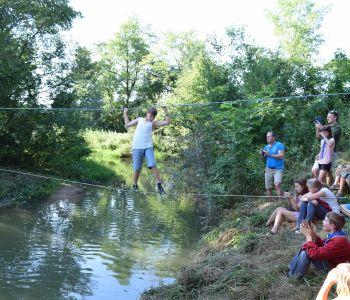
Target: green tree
[123, 61]
[296, 25]
[32, 62]
[158, 78]
[182, 49]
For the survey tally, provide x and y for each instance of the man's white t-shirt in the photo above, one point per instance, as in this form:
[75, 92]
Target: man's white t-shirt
[143, 135]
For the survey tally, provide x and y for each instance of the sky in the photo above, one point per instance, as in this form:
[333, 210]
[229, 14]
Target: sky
[102, 19]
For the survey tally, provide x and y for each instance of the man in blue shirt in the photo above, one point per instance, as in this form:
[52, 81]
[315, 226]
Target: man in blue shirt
[273, 154]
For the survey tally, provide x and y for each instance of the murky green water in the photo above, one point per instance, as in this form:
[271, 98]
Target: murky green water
[96, 245]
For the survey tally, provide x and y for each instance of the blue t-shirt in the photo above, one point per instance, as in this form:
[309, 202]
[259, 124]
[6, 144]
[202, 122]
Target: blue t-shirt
[272, 162]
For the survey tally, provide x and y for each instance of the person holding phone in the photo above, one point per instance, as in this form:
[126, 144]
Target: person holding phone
[333, 122]
[273, 155]
[323, 254]
[282, 214]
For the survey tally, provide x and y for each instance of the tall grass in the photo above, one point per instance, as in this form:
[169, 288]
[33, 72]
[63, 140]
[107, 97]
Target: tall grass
[107, 145]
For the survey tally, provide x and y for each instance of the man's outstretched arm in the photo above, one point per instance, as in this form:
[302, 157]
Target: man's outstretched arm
[163, 122]
[126, 119]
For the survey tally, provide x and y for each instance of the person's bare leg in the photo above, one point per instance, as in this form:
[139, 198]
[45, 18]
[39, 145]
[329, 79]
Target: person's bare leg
[322, 176]
[136, 176]
[156, 174]
[278, 221]
[272, 217]
[342, 186]
[347, 181]
[269, 192]
[281, 215]
[315, 173]
[336, 181]
[278, 187]
[329, 178]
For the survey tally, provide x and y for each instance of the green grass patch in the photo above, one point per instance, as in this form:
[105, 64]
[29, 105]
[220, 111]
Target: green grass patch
[108, 145]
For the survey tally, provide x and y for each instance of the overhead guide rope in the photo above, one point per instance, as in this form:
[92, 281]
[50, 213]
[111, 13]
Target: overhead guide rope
[292, 97]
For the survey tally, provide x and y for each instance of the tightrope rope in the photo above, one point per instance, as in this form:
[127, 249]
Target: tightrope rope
[295, 97]
[122, 189]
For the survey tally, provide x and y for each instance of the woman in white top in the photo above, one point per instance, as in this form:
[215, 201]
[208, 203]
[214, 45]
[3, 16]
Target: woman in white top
[317, 202]
[325, 156]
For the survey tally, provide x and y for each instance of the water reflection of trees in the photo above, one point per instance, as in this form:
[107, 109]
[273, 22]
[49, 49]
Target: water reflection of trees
[38, 261]
[48, 253]
[132, 228]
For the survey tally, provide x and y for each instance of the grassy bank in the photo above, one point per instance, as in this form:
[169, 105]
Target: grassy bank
[239, 260]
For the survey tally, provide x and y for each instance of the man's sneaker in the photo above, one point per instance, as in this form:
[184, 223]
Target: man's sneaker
[160, 189]
[135, 188]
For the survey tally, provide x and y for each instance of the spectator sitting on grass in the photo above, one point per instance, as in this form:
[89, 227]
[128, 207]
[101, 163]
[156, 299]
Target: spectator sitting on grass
[324, 254]
[339, 276]
[344, 180]
[340, 169]
[289, 214]
[316, 203]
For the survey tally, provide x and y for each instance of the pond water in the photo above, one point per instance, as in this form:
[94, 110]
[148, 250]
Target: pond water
[97, 244]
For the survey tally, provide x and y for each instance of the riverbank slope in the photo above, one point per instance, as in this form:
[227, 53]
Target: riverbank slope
[240, 260]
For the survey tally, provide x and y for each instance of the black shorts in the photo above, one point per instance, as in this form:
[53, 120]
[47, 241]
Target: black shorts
[325, 167]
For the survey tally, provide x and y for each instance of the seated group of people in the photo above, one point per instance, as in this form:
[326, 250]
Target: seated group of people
[313, 200]
[310, 200]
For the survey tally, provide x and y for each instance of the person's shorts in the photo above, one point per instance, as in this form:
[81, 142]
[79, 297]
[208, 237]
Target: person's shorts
[316, 164]
[346, 175]
[325, 167]
[137, 158]
[272, 176]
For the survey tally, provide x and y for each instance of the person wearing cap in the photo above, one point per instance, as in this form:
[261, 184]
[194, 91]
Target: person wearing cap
[333, 122]
[142, 145]
[273, 154]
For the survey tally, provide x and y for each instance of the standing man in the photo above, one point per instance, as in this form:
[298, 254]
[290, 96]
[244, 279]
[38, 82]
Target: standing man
[273, 154]
[332, 119]
[142, 145]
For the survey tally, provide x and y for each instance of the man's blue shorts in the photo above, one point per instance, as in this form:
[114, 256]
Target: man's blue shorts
[137, 158]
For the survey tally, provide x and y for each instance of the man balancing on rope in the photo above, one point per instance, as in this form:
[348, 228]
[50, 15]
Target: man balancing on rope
[142, 145]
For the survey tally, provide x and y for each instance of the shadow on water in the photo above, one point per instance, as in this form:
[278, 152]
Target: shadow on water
[95, 243]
